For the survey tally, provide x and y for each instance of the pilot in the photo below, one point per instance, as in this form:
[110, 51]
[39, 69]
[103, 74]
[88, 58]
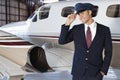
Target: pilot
[90, 40]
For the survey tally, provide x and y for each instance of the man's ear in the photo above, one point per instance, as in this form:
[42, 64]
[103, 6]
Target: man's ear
[90, 12]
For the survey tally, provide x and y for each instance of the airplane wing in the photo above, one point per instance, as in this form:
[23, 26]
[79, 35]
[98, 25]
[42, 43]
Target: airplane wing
[42, 58]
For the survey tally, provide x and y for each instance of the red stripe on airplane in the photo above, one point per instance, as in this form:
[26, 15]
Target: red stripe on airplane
[15, 43]
[44, 36]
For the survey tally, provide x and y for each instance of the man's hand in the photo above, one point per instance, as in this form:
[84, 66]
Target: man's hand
[70, 19]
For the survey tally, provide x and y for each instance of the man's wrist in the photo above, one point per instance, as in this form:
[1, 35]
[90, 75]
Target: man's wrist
[67, 24]
[102, 73]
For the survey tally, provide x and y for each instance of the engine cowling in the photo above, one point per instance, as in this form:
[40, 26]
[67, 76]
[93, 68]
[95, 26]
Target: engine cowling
[36, 60]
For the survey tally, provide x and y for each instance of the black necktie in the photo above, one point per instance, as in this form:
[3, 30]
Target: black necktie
[88, 37]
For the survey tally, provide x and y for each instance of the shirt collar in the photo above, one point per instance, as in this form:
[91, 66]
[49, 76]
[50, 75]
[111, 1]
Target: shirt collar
[92, 26]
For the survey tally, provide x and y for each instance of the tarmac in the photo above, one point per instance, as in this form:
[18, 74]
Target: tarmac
[113, 74]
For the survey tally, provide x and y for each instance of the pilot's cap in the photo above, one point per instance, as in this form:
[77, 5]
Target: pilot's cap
[79, 7]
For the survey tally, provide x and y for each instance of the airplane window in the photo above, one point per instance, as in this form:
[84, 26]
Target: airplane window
[34, 19]
[44, 12]
[70, 9]
[67, 10]
[113, 11]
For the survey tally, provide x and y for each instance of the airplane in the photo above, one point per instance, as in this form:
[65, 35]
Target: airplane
[42, 30]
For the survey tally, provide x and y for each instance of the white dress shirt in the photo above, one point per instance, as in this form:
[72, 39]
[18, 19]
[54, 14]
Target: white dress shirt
[93, 28]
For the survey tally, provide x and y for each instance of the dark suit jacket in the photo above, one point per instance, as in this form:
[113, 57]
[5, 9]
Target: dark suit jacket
[84, 58]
